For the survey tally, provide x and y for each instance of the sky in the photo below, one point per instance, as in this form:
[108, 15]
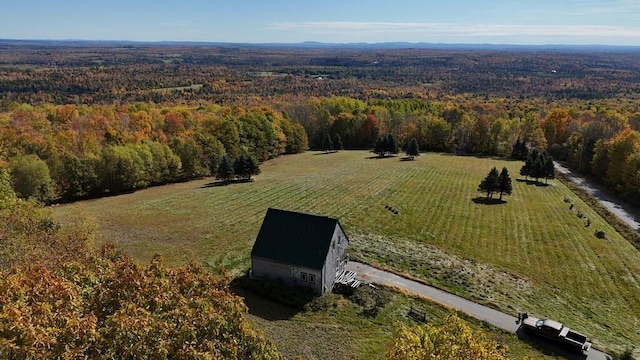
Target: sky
[526, 22]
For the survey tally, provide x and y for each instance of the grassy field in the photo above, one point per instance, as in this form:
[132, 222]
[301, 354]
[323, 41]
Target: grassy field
[531, 253]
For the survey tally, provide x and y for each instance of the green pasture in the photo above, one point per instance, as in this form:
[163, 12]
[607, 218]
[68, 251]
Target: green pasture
[531, 253]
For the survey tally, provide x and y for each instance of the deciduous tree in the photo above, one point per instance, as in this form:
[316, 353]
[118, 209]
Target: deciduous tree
[452, 340]
[112, 307]
[31, 178]
[7, 195]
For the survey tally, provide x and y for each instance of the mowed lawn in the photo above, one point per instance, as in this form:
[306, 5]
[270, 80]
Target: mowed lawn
[531, 253]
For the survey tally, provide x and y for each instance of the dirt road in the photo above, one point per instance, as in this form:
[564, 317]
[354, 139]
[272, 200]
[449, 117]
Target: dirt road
[626, 214]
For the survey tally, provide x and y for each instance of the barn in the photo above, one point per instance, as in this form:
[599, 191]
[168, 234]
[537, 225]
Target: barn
[300, 249]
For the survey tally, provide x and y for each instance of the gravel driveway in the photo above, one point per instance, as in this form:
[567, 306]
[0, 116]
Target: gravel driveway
[498, 319]
[623, 212]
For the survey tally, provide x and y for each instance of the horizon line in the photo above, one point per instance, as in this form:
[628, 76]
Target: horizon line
[313, 42]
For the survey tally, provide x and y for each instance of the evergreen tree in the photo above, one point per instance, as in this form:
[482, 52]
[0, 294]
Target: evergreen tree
[337, 143]
[328, 144]
[539, 164]
[245, 166]
[225, 169]
[528, 168]
[523, 151]
[519, 150]
[515, 150]
[412, 148]
[490, 183]
[504, 183]
[252, 167]
[536, 165]
[381, 146]
[548, 169]
[392, 147]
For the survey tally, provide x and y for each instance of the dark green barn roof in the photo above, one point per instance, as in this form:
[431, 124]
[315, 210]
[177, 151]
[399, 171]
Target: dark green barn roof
[295, 238]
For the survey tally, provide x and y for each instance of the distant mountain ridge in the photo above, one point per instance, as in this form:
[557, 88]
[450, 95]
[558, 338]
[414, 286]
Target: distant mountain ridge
[322, 45]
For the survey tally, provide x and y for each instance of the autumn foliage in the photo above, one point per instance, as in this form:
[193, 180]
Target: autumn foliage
[61, 300]
[69, 152]
[113, 307]
[452, 340]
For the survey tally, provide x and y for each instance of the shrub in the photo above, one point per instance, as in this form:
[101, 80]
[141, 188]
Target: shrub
[627, 354]
[370, 299]
[322, 303]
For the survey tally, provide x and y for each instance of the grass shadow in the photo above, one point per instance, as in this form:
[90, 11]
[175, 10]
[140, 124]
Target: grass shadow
[487, 201]
[533, 182]
[407, 158]
[381, 157]
[271, 300]
[225, 183]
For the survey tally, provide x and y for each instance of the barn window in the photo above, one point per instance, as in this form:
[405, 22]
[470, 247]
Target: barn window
[312, 278]
[303, 276]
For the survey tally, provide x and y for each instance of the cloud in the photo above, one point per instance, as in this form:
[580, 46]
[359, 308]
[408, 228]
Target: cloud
[458, 30]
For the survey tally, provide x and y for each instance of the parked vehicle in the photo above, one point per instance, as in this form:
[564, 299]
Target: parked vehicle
[555, 331]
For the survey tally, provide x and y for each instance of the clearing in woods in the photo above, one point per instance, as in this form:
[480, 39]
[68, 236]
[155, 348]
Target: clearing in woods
[532, 253]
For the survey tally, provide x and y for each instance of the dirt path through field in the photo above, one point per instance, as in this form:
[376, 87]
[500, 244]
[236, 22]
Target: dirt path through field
[625, 213]
[498, 319]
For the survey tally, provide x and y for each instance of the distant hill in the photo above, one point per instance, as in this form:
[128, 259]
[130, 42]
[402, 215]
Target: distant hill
[321, 45]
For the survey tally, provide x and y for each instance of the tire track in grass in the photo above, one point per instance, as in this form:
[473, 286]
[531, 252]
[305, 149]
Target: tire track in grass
[420, 210]
[450, 223]
[591, 283]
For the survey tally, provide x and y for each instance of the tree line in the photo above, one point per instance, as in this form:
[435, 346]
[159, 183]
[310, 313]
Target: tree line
[602, 141]
[94, 150]
[68, 152]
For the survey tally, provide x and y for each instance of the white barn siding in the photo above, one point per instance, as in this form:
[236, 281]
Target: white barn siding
[267, 269]
[336, 259]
